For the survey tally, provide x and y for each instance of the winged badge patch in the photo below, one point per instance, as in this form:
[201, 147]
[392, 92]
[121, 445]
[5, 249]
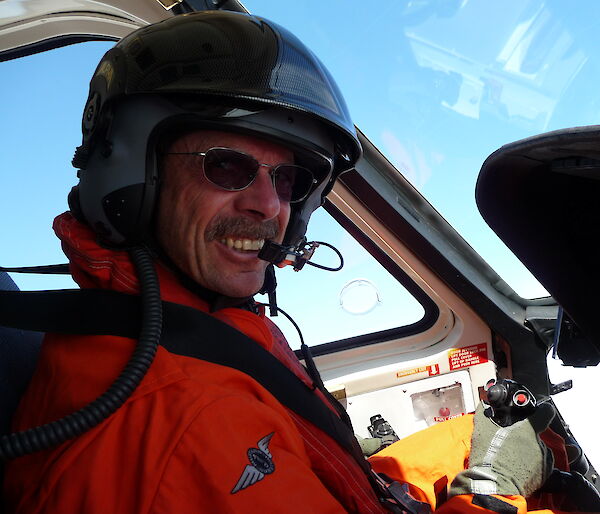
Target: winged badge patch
[261, 464]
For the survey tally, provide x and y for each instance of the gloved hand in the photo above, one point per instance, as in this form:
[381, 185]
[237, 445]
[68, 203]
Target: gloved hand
[369, 445]
[507, 460]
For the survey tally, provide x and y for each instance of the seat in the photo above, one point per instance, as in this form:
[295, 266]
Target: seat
[19, 351]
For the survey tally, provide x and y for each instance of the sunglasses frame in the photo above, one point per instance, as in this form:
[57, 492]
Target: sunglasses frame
[272, 173]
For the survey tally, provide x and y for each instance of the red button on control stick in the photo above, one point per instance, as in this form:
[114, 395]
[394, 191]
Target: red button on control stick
[522, 399]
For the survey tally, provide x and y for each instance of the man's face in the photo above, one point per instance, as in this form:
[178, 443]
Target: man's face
[201, 226]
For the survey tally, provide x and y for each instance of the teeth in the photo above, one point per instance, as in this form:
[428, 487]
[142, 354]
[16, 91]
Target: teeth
[248, 245]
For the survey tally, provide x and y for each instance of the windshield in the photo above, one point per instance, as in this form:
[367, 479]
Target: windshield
[438, 85]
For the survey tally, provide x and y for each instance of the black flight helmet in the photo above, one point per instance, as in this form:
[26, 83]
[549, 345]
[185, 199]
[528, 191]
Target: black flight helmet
[215, 70]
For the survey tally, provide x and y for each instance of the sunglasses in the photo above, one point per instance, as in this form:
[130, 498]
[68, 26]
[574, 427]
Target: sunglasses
[233, 170]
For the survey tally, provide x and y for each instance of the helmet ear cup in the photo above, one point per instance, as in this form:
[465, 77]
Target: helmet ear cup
[128, 211]
[74, 205]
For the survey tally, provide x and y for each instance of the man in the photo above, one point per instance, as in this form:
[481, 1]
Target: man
[209, 139]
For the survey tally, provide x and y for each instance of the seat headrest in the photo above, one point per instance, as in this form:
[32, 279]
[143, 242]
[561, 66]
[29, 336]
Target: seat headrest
[541, 196]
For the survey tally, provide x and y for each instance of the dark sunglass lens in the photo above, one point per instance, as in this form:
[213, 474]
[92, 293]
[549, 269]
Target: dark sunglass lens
[229, 169]
[292, 182]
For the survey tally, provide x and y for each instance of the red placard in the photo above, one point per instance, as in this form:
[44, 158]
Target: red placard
[431, 371]
[467, 356]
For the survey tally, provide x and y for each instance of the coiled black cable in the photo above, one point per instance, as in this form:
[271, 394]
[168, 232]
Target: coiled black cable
[56, 432]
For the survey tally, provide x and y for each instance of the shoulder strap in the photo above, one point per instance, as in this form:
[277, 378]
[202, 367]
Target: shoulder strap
[244, 354]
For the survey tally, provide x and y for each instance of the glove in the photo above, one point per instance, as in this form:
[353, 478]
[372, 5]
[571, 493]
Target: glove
[369, 445]
[508, 460]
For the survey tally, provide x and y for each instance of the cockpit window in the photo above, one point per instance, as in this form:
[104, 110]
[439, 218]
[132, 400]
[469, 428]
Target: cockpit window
[438, 85]
[41, 101]
[360, 299]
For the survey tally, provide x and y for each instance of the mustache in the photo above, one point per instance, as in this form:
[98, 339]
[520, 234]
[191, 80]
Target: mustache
[222, 227]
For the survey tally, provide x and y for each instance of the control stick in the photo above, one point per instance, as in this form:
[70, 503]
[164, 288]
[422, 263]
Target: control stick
[381, 429]
[507, 401]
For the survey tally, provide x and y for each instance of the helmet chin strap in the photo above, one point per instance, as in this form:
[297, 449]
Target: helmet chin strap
[269, 288]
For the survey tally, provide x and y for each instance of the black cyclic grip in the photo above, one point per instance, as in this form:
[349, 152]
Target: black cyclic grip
[508, 401]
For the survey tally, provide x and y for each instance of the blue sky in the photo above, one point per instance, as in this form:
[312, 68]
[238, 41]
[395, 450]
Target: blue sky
[42, 99]
[438, 86]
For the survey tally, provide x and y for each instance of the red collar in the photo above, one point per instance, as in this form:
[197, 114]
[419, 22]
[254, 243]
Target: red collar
[94, 266]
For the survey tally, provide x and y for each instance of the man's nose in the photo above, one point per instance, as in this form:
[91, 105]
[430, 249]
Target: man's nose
[260, 199]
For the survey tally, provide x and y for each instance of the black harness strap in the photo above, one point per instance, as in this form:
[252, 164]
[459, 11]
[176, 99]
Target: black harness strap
[49, 269]
[72, 311]
[186, 331]
[242, 353]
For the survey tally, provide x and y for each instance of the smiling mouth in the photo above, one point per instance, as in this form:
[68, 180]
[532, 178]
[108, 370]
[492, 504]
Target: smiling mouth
[243, 245]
